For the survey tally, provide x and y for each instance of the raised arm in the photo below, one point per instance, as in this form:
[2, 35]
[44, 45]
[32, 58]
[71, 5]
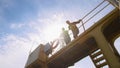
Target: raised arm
[76, 22]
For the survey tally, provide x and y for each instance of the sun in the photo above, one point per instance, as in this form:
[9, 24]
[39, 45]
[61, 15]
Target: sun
[52, 32]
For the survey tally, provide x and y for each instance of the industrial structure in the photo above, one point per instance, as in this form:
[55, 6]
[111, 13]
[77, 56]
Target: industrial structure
[96, 42]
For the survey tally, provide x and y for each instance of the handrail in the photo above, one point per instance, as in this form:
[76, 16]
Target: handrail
[82, 23]
[94, 15]
[93, 9]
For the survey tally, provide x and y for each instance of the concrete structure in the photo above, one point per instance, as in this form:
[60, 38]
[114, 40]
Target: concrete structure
[99, 37]
[96, 42]
[37, 59]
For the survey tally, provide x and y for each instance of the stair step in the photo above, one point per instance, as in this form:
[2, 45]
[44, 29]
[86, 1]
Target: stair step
[94, 50]
[98, 59]
[101, 65]
[96, 54]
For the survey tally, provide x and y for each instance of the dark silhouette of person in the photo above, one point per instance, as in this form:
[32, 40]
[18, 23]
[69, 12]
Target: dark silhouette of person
[72, 26]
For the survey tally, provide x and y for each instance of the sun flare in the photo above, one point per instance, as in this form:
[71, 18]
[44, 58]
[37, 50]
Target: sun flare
[52, 32]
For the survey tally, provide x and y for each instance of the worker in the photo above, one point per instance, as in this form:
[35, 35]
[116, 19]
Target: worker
[72, 26]
[49, 47]
[65, 36]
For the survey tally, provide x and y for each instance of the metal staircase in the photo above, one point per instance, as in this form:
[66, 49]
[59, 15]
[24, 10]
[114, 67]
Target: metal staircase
[98, 58]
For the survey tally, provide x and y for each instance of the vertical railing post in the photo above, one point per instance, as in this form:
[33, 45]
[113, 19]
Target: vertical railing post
[83, 26]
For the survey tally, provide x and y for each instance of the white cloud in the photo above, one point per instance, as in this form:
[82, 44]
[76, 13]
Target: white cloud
[49, 27]
[14, 52]
[15, 25]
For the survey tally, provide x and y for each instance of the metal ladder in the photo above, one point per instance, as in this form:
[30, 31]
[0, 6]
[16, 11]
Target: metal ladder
[98, 58]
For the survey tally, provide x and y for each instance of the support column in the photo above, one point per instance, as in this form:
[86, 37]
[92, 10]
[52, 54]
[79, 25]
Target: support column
[44, 65]
[112, 60]
[43, 57]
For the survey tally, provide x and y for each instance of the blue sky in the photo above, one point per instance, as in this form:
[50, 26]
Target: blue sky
[26, 23]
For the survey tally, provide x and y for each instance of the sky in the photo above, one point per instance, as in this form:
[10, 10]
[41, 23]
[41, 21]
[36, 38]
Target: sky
[24, 24]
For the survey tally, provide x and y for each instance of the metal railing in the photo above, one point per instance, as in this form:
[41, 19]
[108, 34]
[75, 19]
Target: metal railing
[84, 22]
[92, 15]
